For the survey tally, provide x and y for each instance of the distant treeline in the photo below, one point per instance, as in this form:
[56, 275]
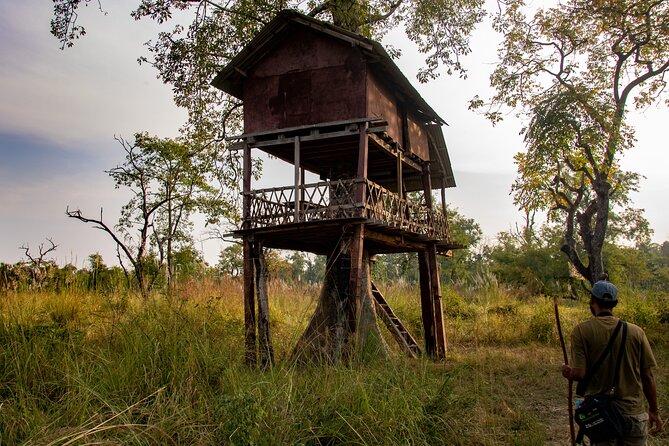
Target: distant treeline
[526, 260]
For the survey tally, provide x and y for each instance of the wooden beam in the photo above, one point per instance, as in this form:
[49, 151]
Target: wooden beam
[443, 200]
[251, 356]
[355, 275]
[266, 351]
[439, 331]
[427, 185]
[246, 186]
[264, 133]
[363, 160]
[426, 306]
[399, 175]
[394, 152]
[298, 177]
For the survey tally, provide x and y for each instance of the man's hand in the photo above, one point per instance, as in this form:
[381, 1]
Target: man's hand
[572, 373]
[655, 424]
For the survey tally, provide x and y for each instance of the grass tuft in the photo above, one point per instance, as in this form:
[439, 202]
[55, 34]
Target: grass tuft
[112, 369]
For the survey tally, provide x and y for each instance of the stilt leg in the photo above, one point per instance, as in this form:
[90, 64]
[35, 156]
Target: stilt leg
[249, 305]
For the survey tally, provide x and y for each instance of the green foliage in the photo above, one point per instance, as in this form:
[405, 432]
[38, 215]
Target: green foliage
[541, 327]
[573, 69]
[531, 260]
[231, 260]
[466, 262]
[455, 306]
[188, 56]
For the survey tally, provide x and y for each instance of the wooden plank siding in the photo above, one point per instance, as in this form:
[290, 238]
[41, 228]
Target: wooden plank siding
[286, 89]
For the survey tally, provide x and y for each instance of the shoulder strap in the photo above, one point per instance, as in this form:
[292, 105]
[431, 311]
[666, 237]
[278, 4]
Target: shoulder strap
[621, 352]
[582, 385]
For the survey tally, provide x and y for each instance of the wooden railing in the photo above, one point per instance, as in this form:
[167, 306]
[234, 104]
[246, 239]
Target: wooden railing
[335, 199]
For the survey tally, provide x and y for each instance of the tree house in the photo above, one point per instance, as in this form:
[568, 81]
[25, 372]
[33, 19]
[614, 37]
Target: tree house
[333, 103]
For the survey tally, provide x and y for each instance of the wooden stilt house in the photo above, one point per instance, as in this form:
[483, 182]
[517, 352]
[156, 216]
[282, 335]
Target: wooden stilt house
[333, 103]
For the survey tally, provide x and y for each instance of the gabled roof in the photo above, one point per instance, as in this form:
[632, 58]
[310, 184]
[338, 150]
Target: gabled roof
[230, 78]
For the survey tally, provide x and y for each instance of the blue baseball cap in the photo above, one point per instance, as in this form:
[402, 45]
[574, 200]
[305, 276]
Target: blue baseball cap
[605, 291]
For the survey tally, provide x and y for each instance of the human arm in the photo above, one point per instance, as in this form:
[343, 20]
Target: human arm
[572, 373]
[575, 371]
[650, 391]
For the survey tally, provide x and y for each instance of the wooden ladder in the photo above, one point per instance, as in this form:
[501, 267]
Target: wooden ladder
[397, 329]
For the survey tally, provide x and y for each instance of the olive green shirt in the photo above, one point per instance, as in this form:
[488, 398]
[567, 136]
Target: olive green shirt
[588, 342]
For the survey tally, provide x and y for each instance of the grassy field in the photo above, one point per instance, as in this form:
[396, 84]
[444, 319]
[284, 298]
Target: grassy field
[91, 369]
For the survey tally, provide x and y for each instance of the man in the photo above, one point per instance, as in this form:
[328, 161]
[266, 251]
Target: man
[589, 340]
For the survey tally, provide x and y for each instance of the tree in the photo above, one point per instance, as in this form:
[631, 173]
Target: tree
[168, 180]
[231, 260]
[531, 259]
[182, 175]
[39, 266]
[188, 262]
[188, 57]
[97, 268]
[574, 69]
[463, 263]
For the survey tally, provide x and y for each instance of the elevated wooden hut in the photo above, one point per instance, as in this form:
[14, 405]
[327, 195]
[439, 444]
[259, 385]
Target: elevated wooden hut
[333, 103]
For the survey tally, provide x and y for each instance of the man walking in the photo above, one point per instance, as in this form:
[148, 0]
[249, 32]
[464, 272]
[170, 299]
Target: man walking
[636, 380]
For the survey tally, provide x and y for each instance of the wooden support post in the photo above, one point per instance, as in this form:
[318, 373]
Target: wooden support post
[439, 331]
[298, 177]
[264, 337]
[400, 175]
[357, 243]
[355, 274]
[443, 199]
[251, 356]
[363, 159]
[246, 186]
[249, 296]
[427, 308]
[427, 185]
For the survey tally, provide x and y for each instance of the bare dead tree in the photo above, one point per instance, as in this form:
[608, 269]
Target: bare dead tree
[39, 267]
[137, 258]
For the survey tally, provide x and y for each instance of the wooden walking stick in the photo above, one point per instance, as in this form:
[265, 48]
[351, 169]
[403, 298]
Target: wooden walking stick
[572, 432]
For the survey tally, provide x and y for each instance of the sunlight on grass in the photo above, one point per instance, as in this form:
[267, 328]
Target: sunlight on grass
[78, 368]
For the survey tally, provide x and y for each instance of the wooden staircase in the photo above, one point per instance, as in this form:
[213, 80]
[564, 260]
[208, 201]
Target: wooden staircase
[406, 342]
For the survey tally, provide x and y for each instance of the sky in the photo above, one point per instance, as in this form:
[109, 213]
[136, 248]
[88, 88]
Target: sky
[61, 110]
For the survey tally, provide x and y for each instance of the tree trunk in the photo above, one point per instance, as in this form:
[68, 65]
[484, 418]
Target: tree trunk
[265, 347]
[339, 331]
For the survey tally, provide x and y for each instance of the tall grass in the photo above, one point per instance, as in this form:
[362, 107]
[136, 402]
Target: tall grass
[89, 369]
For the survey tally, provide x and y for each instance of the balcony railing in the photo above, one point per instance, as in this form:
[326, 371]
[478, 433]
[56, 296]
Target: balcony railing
[336, 199]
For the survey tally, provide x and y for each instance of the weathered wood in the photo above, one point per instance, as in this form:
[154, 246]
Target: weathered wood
[251, 355]
[306, 111]
[332, 336]
[427, 186]
[363, 160]
[298, 177]
[246, 187]
[443, 200]
[439, 330]
[249, 296]
[402, 336]
[265, 349]
[355, 278]
[393, 151]
[400, 182]
[426, 305]
[301, 128]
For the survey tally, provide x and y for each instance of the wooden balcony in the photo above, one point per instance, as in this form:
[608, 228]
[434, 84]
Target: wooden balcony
[314, 215]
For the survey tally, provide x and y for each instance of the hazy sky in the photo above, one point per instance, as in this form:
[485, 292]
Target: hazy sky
[60, 111]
